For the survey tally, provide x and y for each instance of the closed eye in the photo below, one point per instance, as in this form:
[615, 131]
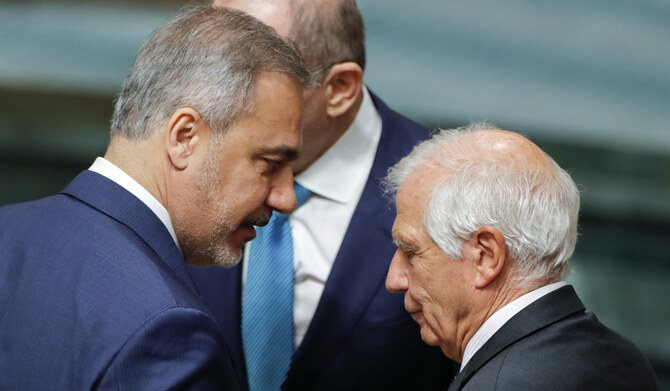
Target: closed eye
[408, 249]
[273, 165]
[409, 254]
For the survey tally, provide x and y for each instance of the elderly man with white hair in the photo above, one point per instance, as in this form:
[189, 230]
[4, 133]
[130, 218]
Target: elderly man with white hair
[486, 225]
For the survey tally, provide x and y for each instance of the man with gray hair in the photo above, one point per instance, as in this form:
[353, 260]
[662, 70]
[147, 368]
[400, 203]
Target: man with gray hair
[485, 227]
[95, 293]
[341, 329]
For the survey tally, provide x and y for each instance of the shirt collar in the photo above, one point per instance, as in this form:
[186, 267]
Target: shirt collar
[500, 317]
[337, 172]
[109, 170]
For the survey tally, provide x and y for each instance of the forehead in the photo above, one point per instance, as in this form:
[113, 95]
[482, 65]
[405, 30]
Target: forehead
[275, 119]
[275, 90]
[417, 186]
[412, 198]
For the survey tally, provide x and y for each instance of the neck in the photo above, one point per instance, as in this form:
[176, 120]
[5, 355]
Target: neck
[134, 158]
[489, 300]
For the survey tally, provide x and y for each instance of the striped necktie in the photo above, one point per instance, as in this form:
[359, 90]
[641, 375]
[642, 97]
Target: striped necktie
[267, 313]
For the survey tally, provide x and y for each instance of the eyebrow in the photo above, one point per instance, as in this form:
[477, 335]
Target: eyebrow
[285, 152]
[400, 243]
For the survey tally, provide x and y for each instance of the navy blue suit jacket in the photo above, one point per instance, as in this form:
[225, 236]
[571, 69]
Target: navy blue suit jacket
[94, 294]
[361, 337]
[554, 345]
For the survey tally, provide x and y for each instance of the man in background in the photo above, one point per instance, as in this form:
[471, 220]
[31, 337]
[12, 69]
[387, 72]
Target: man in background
[345, 331]
[94, 292]
[486, 225]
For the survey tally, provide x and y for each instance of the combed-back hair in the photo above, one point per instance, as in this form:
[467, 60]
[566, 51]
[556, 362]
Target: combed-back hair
[536, 210]
[328, 32]
[207, 59]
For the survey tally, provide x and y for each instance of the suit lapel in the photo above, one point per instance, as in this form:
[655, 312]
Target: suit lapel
[113, 200]
[357, 272]
[548, 309]
[354, 279]
[221, 290]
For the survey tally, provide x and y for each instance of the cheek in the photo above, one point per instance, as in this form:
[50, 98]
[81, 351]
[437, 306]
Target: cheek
[247, 198]
[256, 194]
[246, 182]
[433, 297]
[310, 127]
[421, 283]
[312, 116]
[418, 294]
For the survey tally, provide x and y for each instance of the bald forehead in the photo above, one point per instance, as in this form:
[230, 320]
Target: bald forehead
[498, 144]
[450, 154]
[276, 14]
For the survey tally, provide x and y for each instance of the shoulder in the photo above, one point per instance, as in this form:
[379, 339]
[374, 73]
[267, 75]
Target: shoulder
[92, 253]
[578, 352]
[402, 129]
[102, 300]
[57, 215]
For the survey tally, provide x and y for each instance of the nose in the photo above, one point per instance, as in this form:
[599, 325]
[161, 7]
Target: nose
[282, 196]
[396, 279]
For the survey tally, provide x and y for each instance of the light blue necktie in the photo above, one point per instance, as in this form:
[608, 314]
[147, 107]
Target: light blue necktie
[267, 313]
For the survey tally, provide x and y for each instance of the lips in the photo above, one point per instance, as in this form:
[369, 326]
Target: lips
[248, 230]
[257, 220]
[411, 306]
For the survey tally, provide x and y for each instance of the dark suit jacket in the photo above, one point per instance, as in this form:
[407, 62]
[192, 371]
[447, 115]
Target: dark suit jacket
[361, 337]
[94, 294]
[552, 345]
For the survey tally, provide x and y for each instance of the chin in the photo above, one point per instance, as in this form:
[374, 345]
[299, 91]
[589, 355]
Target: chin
[214, 255]
[227, 256]
[429, 338]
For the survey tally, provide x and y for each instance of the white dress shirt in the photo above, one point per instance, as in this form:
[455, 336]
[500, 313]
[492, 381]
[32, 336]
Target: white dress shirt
[318, 227]
[500, 317]
[107, 169]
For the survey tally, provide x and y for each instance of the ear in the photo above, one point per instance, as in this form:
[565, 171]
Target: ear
[489, 252]
[343, 84]
[186, 133]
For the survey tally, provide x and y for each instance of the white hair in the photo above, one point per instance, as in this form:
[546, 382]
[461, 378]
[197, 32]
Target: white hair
[535, 210]
[207, 59]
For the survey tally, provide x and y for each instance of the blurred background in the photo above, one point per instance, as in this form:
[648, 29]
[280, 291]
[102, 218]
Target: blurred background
[587, 80]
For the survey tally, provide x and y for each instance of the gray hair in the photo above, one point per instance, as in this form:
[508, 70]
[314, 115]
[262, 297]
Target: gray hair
[535, 211]
[205, 58]
[327, 34]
